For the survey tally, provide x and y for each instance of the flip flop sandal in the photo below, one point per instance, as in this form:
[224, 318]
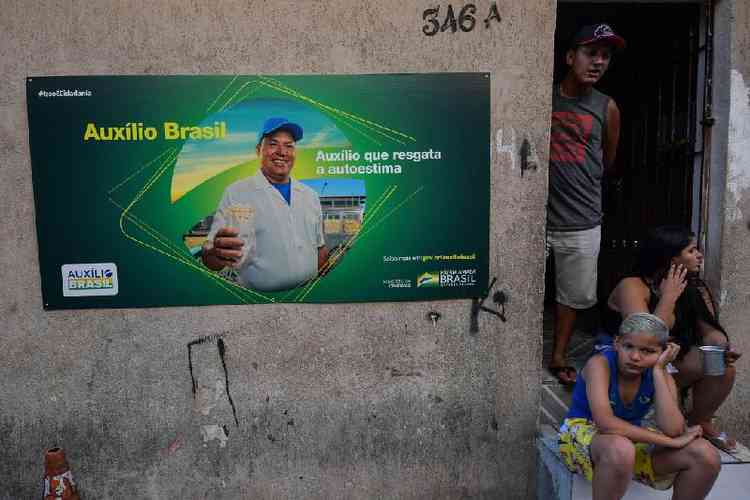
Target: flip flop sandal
[722, 442]
[557, 370]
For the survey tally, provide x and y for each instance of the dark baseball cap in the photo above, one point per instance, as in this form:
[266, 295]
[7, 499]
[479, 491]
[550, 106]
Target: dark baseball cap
[598, 33]
[275, 123]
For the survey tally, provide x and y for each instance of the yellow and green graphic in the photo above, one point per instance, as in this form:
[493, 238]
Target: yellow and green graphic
[428, 280]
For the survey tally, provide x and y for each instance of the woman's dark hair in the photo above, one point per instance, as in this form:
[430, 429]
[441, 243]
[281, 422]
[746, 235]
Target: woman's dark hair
[660, 245]
[655, 256]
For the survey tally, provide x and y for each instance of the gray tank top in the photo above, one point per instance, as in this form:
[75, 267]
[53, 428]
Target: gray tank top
[576, 164]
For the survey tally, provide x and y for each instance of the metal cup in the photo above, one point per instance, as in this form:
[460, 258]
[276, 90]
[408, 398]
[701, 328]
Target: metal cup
[713, 360]
[243, 218]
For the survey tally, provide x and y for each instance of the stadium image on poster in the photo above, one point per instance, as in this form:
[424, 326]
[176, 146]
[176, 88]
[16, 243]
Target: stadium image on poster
[198, 190]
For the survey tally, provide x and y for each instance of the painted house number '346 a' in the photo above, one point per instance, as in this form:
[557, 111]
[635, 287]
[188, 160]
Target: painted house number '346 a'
[465, 21]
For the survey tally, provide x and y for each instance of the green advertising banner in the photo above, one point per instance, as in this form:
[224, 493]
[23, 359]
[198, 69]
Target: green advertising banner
[140, 180]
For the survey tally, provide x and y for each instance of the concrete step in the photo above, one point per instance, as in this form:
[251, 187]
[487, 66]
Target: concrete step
[554, 404]
[732, 484]
[555, 482]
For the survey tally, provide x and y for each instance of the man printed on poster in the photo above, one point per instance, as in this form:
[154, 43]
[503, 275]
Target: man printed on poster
[269, 227]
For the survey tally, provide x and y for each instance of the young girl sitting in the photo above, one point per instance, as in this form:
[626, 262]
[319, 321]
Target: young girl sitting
[666, 282]
[602, 436]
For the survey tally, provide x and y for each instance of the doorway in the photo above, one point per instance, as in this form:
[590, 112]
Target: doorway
[657, 85]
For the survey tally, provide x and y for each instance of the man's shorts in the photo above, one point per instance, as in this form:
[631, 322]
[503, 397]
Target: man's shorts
[576, 255]
[576, 435]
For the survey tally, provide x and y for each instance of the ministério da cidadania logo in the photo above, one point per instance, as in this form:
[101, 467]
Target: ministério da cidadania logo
[89, 280]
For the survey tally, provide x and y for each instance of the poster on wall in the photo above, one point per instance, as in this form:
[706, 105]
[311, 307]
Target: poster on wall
[158, 191]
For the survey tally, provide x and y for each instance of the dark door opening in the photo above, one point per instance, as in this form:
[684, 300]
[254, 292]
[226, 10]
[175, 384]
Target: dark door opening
[655, 83]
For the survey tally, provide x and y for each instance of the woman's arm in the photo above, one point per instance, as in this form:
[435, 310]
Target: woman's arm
[629, 296]
[670, 288]
[632, 295]
[596, 374]
[710, 334]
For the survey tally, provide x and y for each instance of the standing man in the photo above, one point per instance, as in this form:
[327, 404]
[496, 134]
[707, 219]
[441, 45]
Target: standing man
[583, 142]
[269, 226]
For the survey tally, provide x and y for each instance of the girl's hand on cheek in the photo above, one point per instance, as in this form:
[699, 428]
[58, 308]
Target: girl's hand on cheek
[668, 354]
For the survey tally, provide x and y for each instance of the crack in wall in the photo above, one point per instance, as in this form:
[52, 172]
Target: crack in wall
[205, 400]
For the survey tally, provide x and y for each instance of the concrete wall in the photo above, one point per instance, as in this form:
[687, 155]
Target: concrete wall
[339, 401]
[734, 99]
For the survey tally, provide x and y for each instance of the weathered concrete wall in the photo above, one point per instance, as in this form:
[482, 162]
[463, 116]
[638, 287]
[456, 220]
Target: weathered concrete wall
[735, 248]
[339, 401]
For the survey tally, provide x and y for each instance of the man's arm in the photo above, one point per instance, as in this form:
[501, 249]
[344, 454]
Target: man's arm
[224, 250]
[613, 137]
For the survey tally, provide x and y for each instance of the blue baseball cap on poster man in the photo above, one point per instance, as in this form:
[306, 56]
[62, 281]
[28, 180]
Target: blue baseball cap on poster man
[275, 123]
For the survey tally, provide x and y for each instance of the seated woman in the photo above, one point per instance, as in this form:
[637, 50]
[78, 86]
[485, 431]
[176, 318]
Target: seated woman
[602, 436]
[666, 283]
